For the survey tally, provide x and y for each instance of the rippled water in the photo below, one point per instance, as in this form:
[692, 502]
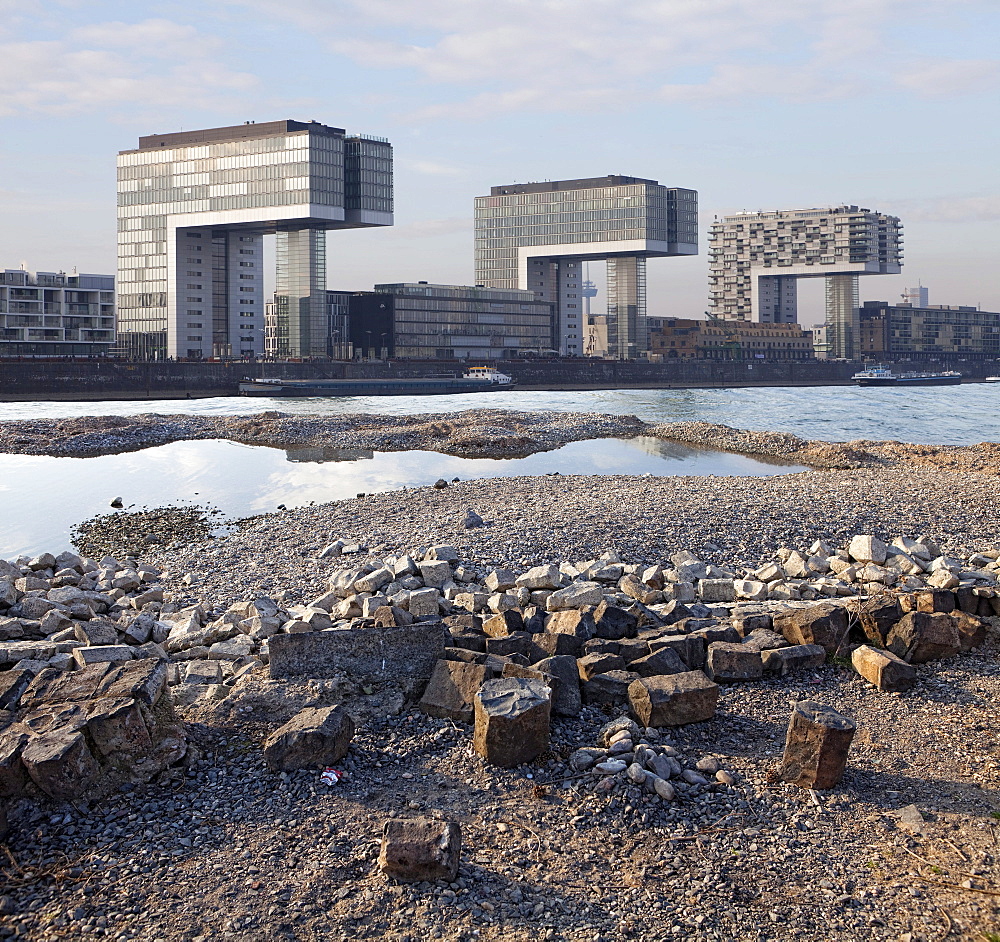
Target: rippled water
[945, 415]
[42, 497]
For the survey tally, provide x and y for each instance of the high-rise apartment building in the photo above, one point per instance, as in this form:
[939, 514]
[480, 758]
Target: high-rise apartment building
[536, 236]
[193, 208]
[755, 259]
[49, 314]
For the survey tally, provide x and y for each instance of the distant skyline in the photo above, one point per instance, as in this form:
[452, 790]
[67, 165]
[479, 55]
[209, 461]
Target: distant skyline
[888, 104]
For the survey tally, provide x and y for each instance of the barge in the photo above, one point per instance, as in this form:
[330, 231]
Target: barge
[474, 379]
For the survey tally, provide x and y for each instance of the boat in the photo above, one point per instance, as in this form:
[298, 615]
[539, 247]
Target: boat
[883, 376]
[992, 379]
[474, 379]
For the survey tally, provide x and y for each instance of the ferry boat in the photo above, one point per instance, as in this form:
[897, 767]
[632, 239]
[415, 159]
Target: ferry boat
[474, 379]
[883, 376]
[992, 379]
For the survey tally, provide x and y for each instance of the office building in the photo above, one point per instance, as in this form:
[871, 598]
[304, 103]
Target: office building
[537, 237]
[193, 208]
[756, 258]
[449, 322]
[939, 331]
[49, 314]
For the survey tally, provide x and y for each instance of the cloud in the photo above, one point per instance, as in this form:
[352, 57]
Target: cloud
[95, 67]
[507, 56]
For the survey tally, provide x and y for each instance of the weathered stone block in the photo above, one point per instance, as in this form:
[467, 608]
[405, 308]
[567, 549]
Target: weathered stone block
[875, 615]
[883, 669]
[564, 683]
[816, 746]
[733, 662]
[717, 590]
[104, 653]
[579, 624]
[13, 774]
[520, 642]
[610, 688]
[664, 660]
[673, 700]
[435, 573]
[934, 600]
[919, 637]
[540, 577]
[314, 738]
[60, 763]
[420, 849]
[512, 721]
[424, 602]
[203, 672]
[575, 595]
[504, 623]
[117, 727]
[614, 623]
[549, 645]
[143, 679]
[400, 654]
[782, 661]
[451, 691]
[971, 630]
[867, 549]
[13, 683]
[824, 624]
[590, 665]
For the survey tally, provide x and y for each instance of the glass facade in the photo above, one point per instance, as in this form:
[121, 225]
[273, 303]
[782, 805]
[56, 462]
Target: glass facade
[506, 221]
[622, 220]
[459, 322]
[181, 297]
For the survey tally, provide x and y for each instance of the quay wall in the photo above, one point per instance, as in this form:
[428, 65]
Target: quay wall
[118, 379]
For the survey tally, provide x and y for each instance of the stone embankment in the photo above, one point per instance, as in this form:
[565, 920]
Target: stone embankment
[476, 433]
[480, 696]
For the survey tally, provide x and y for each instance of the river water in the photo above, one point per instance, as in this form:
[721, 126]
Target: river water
[942, 415]
[41, 497]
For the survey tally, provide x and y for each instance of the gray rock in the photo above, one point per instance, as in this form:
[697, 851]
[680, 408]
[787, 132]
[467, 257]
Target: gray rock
[312, 739]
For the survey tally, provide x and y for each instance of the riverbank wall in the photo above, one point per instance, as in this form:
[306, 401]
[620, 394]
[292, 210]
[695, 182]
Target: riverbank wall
[115, 379]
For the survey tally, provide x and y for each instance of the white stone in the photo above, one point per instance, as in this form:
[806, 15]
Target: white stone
[868, 549]
[575, 596]
[424, 602]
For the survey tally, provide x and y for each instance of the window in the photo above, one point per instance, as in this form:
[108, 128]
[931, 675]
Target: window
[194, 299]
[247, 289]
[246, 265]
[195, 324]
[194, 337]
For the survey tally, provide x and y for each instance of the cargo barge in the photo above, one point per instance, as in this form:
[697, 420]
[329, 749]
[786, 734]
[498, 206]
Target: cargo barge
[883, 376]
[474, 379]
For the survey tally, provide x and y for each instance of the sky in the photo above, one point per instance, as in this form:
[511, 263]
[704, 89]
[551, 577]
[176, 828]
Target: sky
[757, 104]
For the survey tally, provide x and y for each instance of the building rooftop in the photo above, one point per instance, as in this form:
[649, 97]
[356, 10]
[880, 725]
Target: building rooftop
[550, 186]
[238, 132]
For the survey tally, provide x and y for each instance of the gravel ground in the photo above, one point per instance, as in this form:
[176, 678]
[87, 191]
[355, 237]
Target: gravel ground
[738, 521]
[476, 433]
[226, 849]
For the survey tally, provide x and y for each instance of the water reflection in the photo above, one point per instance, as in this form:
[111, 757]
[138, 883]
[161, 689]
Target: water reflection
[41, 498]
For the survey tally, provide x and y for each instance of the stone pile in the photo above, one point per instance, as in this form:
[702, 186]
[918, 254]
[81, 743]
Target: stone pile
[657, 640]
[629, 757]
[71, 734]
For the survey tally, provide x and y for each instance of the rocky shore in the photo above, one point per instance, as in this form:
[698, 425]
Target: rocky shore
[476, 433]
[579, 686]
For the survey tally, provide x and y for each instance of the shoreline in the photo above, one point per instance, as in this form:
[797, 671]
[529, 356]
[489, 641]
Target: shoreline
[473, 433]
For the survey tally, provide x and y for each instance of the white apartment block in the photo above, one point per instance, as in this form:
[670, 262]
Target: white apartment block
[755, 259]
[48, 314]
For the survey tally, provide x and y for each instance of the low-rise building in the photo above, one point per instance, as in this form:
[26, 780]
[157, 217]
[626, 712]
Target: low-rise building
[52, 314]
[449, 322]
[890, 331]
[721, 339]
